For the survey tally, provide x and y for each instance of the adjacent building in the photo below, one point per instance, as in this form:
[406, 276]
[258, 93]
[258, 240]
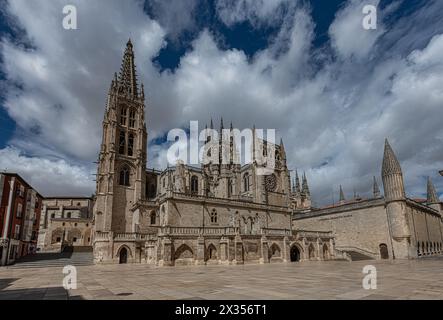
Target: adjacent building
[65, 222]
[20, 210]
[382, 227]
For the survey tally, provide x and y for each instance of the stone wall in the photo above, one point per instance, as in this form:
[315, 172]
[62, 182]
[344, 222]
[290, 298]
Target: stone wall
[363, 227]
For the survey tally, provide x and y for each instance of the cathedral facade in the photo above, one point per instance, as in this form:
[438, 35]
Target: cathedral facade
[223, 212]
[220, 213]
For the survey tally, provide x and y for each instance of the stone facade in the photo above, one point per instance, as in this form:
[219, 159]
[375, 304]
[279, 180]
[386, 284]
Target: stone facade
[217, 213]
[20, 210]
[227, 213]
[393, 226]
[65, 222]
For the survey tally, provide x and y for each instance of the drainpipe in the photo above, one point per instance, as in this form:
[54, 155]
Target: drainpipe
[7, 222]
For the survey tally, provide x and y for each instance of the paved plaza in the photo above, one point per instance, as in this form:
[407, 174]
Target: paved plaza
[415, 279]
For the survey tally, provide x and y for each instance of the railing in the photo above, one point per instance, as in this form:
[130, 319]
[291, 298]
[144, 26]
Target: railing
[199, 230]
[132, 236]
[359, 250]
[100, 235]
[276, 232]
[313, 234]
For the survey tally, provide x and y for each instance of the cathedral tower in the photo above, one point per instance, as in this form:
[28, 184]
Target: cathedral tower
[122, 160]
[396, 204]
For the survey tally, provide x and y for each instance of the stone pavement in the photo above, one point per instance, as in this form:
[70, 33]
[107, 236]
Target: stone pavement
[415, 279]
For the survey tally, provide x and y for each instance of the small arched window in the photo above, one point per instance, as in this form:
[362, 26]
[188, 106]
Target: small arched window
[194, 184]
[131, 145]
[132, 119]
[153, 216]
[122, 142]
[246, 182]
[213, 216]
[124, 176]
[123, 116]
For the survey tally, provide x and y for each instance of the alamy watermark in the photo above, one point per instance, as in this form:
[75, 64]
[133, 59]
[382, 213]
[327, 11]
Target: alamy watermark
[370, 19]
[370, 278]
[70, 279]
[70, 17]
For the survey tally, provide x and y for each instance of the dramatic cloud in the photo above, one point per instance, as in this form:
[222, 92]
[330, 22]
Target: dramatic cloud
[50, 177]
[333, 105]
[255, 11]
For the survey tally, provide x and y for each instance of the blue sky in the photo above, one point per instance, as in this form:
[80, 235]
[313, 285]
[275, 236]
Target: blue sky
[332, 90]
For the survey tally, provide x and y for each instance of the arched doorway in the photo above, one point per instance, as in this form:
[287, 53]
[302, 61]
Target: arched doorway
[384, 254]
[123, 256]
[295, 254]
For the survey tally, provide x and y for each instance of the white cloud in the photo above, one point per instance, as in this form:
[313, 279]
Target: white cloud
[348, 37]
[49, 177]
[255, 11]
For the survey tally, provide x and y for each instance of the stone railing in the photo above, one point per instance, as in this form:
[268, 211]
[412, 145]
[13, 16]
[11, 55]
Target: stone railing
[276, 232]
[371, 254]
[195, 231]
[132, 236]
[99, 235]
[314, 234]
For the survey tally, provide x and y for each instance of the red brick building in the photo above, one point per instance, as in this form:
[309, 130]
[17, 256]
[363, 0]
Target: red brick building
[20, 210]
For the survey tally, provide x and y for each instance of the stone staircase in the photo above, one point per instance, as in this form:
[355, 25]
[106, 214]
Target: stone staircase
[60, 260]
[356, 254]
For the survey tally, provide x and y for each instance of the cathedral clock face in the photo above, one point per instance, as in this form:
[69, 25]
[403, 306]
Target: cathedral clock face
[271, 182]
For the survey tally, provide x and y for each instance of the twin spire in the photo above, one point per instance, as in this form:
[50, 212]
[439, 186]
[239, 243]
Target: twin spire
[304, 190]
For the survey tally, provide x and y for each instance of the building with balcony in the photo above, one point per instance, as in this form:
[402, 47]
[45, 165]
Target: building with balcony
[20, 210]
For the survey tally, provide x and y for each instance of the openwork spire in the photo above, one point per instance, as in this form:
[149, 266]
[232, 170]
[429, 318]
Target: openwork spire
[297, 183]
[305, 187]
[432, 193]
[390, 163]
[128, 78]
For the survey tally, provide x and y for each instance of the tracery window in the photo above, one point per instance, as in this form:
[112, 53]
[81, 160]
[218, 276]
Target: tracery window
[194, 184]
[132, 119]
[122, 142]
[213, 216]
[246, 182]
[123, 116]
[124, 176]
[131, 145]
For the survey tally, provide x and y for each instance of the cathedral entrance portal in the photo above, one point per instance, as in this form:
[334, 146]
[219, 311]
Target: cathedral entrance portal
[123, 256]
[295, 254]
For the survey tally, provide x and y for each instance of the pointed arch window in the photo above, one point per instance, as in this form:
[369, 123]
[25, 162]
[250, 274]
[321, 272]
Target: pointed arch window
[246, 182]
[153, 217]
[132, 118]
[213, 216]
[124, 176]
[123, 116]
[194, 184]
[122, 143]
[131, 145]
